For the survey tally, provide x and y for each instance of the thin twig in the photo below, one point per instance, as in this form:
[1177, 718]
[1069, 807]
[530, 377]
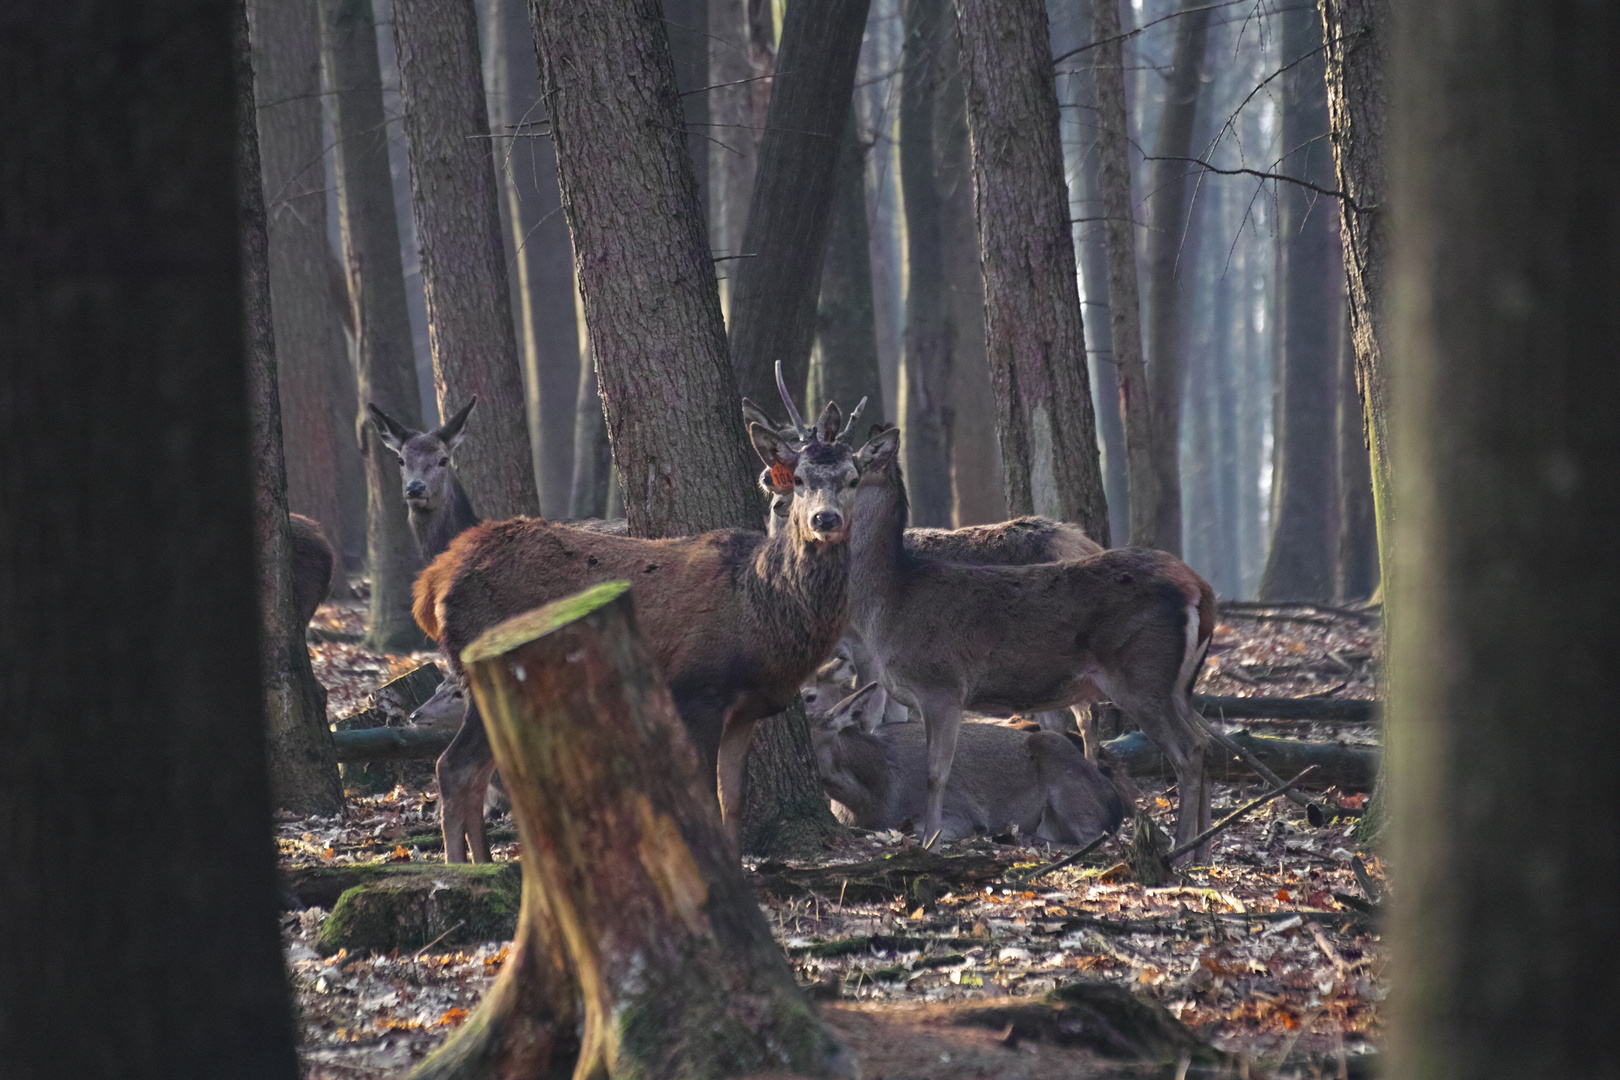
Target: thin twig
[1306, 184]
[438, 939]
[1068, 860]
[1255, 763]
[734, 82]
[1231, 818]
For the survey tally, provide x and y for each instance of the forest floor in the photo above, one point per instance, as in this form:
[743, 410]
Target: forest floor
[1264, 954]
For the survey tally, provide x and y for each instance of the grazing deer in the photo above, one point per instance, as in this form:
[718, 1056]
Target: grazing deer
[312, 563]
[1038, 781]
[736, 620]
[1131, 624]
[439, 508]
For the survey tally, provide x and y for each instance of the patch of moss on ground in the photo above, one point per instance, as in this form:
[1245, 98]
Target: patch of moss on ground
[408, 910]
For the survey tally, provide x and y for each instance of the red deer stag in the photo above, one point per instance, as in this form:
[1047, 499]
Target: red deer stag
[1130, 623]
[736, 619]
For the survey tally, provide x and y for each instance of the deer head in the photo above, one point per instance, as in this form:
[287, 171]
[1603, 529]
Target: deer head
[424, 457]
[818, 474]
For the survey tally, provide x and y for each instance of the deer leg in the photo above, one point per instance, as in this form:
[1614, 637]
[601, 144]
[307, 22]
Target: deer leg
[463, 771]
[736, 736]
[943, 720]
[1160, 720]
[1086, 720]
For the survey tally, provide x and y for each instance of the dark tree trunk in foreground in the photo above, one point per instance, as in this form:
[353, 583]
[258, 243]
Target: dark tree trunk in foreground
[317, 385]
[1124, 303]
[1032, 303]
[846, 328]
[120, 317]
[687, 22]
[542, 257]
[643, 266]
[773, 294]
[458, 226]
[926, 412]
[976, 490]
[1170, 271]
[302, 765]
[1503, 607]
[1310, 281]
[1357, 107]
[640, 949]
[385, 359]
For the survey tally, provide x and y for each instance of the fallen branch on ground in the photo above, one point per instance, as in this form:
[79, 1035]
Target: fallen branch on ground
[1235, 815]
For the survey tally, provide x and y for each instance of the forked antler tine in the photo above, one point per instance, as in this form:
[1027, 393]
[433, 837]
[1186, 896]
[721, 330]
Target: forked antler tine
[793, 410]
[849, 425]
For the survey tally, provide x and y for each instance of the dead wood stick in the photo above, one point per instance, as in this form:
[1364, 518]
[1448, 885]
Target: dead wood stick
[1068, 860]
[1257, 765]
[1231, 818]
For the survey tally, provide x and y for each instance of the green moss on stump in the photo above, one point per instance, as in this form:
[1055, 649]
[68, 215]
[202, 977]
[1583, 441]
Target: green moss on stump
[408, 911]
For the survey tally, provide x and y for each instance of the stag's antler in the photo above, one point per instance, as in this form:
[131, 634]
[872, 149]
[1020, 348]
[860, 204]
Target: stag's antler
[793, 410]
[849, 425]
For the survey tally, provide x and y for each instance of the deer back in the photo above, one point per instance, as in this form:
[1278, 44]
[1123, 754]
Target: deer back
[313, 562]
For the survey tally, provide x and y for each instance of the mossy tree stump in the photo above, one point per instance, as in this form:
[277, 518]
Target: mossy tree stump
[639, 950]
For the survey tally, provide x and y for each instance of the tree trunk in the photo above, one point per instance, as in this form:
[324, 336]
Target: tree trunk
[643, 265]
[1092, 238]
[1225, 572]
[1168, 268]
[1354, 35]
[880, 60]
[458, 227]
[302, 768]
[773, 296]
[1358, 519]
[131, 687]
[846, 368]
[541, 254]
[1311, 284]
[1032, 305]
[385, 358]
[1124, 305]
[593, 454]
[741, 58]
[976, 491]
[308, 325]
[1503, 604]
[927, 412]
[641, 951]
[688, 24]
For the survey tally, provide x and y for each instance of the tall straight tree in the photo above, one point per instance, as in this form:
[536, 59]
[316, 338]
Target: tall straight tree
[1503, 600]
[1311, 282]
[121, 313]
[774, 289]
[1032, 305]
[541, 258]
[1353, 40]
[324, 472]
[458, 226]
[1124, 301]
[302, 762]
[385, 357]
[927, 412]
[1169, 271]
[846, 328]
[742, 55]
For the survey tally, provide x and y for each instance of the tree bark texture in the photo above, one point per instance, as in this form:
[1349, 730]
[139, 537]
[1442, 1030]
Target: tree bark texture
[458, 227]
[846, 367]
[1311, 285]
[1358, 518]
[385, 357]
[1032, 304]
[1124, 301]
[317, 384]
[638, 931]
[1353, 32]
[121, 315]
[1503, 609]
[773, 295]
[1169, 270]
[687, 22]
[976, 491]
[741, 58]
[302, 765]
[593, 453]
[642, 261]
[541, 258]
[927, 413]
[1092, 239]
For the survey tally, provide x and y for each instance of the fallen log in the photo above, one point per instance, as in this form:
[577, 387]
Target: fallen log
[915, 875]
[1348, 710]
[1350, 768]
[390, 744]
[639, 948]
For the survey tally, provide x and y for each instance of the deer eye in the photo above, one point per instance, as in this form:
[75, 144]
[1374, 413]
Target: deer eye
[402, 463]
[798, 481]
[855, 481]
[444, 461]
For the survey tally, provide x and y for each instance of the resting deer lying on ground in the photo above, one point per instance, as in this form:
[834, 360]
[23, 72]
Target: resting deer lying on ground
[1130, 623]
[735, 619]
[1038, 780]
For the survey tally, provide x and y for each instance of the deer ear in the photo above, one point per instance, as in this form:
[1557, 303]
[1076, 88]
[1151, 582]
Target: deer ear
[753, 414]
[831, 420]
[451, 432]
[879, 450]
[858, 708]
[394, 434]
[774, 451]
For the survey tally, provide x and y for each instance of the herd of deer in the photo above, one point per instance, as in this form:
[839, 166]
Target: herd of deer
[1024, 617]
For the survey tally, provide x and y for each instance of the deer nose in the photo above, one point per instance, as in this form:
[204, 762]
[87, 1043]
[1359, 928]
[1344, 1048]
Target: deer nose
[415, 489]
[825, 521]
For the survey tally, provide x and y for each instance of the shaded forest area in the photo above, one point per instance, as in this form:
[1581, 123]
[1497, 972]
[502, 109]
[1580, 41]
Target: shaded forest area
[769, 538]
